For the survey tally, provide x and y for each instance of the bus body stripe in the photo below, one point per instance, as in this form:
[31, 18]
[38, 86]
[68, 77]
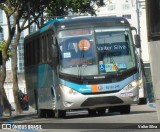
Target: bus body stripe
[94, 88]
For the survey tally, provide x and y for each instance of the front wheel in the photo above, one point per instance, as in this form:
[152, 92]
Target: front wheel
[41, 113]
[57, 113]
[142, 101]
[60, 113]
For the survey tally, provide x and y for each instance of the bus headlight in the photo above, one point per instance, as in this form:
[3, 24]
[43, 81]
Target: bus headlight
[140, 83]
[131, 85]
[68, 90]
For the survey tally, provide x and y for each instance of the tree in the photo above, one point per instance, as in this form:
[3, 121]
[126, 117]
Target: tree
[20, 11]
[4, 101]
[26, 12]
[64, 7]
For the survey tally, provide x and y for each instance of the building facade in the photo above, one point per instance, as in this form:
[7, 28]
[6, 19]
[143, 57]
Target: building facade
[135, 12]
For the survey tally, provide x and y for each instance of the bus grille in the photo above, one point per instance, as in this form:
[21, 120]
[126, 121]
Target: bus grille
[101, 101]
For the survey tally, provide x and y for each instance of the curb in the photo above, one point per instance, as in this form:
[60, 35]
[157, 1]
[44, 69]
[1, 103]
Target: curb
[15, 117]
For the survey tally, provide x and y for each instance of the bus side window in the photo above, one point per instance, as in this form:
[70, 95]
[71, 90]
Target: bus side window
[54, 51]
[26, 54]
[30, 53]
[45, 48]
[38, 50]
[49, 40]
[53, 40]
[33, 52]
[41, 49]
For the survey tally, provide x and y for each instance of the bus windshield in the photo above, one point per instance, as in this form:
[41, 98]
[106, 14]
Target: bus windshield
[96, 51]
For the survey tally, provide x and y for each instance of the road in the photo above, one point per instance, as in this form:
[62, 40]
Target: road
[143, 115]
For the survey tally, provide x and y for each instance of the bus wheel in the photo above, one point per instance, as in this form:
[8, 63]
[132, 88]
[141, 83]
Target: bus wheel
[59, 113]
[92, 112]
[50, 113]
[41, 113]
[125, 109]
[113, 109]
[101, 111]
[142, 101]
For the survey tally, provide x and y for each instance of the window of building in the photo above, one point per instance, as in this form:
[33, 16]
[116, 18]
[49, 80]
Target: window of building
[1, 17]
[125, 6]
[1, 36]
[111, 7]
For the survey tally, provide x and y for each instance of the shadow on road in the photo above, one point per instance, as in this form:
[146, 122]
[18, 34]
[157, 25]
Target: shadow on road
[85, 115]
[74, 115]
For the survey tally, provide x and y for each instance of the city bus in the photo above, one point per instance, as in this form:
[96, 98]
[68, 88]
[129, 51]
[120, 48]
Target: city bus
[88, 63]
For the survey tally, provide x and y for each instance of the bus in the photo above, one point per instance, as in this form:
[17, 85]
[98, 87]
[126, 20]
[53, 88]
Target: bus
[88, 63]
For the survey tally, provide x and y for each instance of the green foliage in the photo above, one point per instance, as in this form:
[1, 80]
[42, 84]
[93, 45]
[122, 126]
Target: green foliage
[2, 45]
[64, 7]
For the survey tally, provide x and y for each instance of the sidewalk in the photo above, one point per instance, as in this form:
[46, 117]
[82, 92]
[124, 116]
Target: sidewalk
[14, 116]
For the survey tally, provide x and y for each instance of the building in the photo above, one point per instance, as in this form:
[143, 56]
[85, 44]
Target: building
[134, 11]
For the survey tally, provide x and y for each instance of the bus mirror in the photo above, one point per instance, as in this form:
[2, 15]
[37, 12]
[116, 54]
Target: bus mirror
[137, 41]
[54, 51]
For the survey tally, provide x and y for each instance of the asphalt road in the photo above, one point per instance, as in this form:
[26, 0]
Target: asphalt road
[142, 117]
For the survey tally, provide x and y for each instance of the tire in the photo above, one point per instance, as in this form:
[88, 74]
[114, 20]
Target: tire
[142, 101]
[113, 109]
[92, 112]
[41, 113]
[59, 113]
[101, 111]
[125, 109]
[50, 114]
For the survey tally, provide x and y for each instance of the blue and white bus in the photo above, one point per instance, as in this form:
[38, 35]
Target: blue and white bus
[82, 63]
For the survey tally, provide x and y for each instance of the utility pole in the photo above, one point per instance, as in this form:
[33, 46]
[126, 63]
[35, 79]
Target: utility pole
[138, 19]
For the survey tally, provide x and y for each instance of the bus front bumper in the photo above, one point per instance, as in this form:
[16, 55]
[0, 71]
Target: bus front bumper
[73, 100]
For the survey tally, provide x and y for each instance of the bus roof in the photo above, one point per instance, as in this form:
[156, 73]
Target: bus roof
[73, 22]
[91, 21]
